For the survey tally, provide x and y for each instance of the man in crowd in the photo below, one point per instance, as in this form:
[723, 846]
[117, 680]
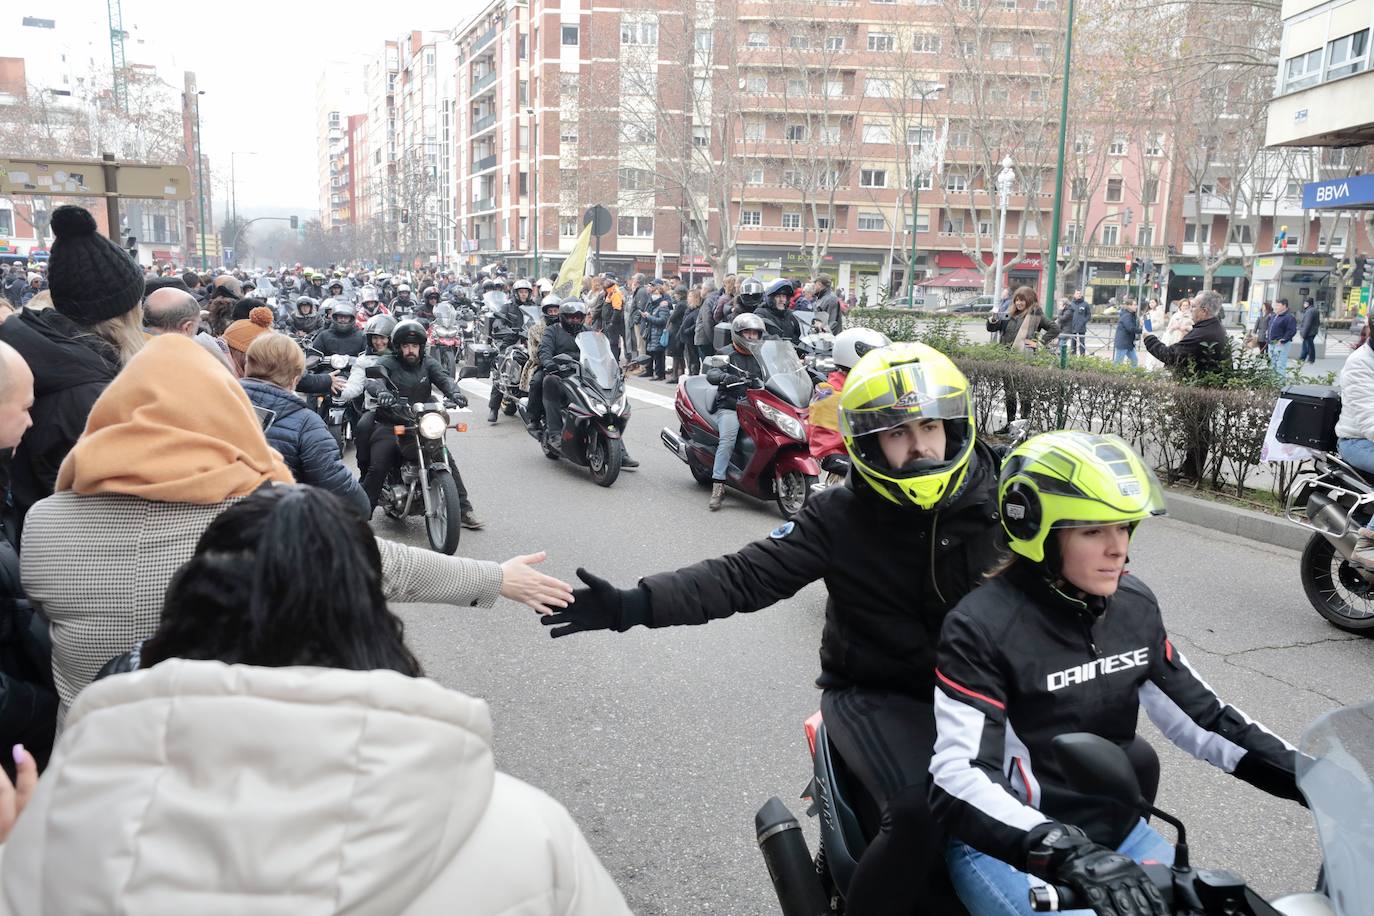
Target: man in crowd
[1080, 312]
[171, 309]
[1203, 355]
[829, 316]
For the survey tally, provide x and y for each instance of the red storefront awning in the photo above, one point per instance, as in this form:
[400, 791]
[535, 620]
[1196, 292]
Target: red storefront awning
[970, 279]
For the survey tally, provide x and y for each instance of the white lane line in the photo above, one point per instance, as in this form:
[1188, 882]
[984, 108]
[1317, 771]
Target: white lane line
[483, 390]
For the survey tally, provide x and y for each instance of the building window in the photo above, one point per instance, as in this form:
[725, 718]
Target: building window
[968, 49]
[795, 133]
[823, 222]
[877, 133]
[524, 228]
[1193, 232]
[872, 222]
[567, 133]
[832, 89]
[524, 184]
[880, 41]
[799, 43]
[1000, 49]
[754, 176]
[1335, 243]
[922, 222]
[791, 221]
[925, 43]
[1117, 146]
[1244, 235]
[635, 180]
[1154, 146]
[1035, 96]
[636, 134]
[757, 40]
[639, 227]
[834, 43]
[703, 39]
[1082, 142]
[6, 223]
[999, 94]
[569, 227]
[1046, 6]
[952, 225]
[791, 178]
[1111, 235]
[1302, 71]
[756, 85]
[1347, 55]
[877, 89]
[830, 134]
[872, 178]
[956, 182]
[958, 139]
[1114, 190]
[570, 35]
[1144, 236]
[1041, 51]
[34, 23]
[796, 88]
[751, 218]
[753, 130]
[701, 135]
[639, 33]
[985, 227]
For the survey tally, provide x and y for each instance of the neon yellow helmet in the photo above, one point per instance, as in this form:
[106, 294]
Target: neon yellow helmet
[895, 385]
[1073, 479]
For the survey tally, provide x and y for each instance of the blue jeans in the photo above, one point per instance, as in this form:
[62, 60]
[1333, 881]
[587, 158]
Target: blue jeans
[1122, 354]
[1278, 356]
[991, 887]
[728, 426]
[1308, 352]
[1357, 452]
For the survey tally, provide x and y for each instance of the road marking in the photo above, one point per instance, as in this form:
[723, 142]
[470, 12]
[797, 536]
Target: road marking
[483, 390]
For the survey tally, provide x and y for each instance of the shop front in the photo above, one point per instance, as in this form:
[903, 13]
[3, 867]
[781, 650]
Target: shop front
[1185, 281]
[1025, 272]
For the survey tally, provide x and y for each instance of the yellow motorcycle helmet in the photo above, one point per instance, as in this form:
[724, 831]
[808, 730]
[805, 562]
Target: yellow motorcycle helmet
[1072, 479]
[895, 385]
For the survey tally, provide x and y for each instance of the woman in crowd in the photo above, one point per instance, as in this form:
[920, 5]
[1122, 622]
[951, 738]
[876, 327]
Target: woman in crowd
[241, 334]
[1127, 334]
[172, 443]
[1180, 323]
[370, 789]
[273, 366]
[677, 320]
[1023, 329]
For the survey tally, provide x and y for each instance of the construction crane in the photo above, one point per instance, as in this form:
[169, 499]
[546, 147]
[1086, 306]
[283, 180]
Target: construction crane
[121, 84]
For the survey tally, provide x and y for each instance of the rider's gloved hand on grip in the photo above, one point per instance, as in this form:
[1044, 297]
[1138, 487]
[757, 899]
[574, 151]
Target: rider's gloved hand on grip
[1111, 883]
[386, 399]
[599, 606]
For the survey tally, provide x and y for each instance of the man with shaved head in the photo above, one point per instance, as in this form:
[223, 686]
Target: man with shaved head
[16, 396]
[170, 309]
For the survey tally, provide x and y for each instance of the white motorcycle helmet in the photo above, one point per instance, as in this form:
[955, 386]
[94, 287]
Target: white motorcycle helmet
[852, 343]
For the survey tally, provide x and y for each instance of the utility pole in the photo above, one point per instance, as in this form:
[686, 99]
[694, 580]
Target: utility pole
[1052, 277]
[534, 185]
[200, 182]
[930, 91]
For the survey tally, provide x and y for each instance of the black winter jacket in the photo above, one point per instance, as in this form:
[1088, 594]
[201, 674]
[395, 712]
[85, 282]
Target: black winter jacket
[732, 388]
[892, 574]
[1021, 662]
[330, 342]
[305, 443]
[1202, 351]
[71, 367]
[555, 342]
[414, 384]
[782, 325]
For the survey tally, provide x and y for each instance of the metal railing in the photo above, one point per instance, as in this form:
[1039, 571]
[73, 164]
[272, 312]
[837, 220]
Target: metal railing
[481, 124]
[486, 203]
[486, 162]
[485, 37]
[484, 82]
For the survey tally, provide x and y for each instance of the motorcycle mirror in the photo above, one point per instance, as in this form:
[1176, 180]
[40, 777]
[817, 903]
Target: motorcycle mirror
[1096, 766]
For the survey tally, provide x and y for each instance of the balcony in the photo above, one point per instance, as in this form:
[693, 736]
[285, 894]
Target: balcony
[481, 124]
[483, 205]
[485, 163]
[1121, 252]
[1212, 205]
[482, 39]
[482, 83]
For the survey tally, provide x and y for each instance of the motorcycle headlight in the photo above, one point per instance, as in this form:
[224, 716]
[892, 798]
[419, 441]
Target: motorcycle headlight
[790, 426]
[432, 425]
[600, 408]
[621, 405]
[339, 361]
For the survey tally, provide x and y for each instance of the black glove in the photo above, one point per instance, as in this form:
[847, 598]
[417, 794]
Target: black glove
[1111, 883]
[755, 383]
[599, 606]
[386, 399]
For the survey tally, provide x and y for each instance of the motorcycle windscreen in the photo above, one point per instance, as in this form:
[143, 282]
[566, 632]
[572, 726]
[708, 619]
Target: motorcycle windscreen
[494, 298]
[784, 374]
[1336, 774]
[531, 313]
[598, 362]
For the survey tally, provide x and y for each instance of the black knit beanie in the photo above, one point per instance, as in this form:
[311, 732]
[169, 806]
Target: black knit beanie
[91, 277]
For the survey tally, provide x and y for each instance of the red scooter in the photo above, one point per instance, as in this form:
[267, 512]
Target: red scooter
[772, 459]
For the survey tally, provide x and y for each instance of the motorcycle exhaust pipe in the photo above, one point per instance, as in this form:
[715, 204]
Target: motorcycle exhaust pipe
[1331, 519]
[674, 443]
[789, 861]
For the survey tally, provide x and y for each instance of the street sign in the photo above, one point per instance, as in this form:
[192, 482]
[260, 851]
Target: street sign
[1354, 192]
[599, 217]
[86, 178]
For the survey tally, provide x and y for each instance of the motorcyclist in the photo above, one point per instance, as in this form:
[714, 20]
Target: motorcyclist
[409, 377]
[912, 531]
[1063, 639]
[428, 300]
[507, 316]
[522, 291]
[369, 302]
[823, 430]
[305, 317]
[778, 318]
[378, 334]
[343, 336]
[559, 340]
[746, 333]
[336, 289]
[312, 287]
[550, 307]
[402, 305]
[749, 298]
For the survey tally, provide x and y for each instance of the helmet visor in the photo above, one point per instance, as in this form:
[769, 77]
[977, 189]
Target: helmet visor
[904, 393]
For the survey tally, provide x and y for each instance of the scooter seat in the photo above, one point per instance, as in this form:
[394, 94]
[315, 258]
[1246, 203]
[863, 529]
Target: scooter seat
[701, 393]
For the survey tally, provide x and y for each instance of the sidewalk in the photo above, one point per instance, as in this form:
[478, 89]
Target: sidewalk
[1244, 523]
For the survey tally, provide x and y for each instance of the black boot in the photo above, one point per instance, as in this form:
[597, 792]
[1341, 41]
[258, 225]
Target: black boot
[625, 460]
[491, 417]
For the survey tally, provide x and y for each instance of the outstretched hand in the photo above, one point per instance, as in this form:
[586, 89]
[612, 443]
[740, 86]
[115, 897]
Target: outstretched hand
[520, 581]
[596, 607]
[14, 796]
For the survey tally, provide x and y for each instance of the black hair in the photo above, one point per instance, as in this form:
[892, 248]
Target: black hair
[244, 307]
[242, 598]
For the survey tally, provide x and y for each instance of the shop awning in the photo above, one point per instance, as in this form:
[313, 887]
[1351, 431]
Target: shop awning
[970, 279]
[1195, 270]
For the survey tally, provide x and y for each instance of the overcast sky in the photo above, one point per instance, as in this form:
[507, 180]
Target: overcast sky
[258, 62]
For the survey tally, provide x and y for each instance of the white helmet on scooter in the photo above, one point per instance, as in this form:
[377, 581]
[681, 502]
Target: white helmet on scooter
[852, 343]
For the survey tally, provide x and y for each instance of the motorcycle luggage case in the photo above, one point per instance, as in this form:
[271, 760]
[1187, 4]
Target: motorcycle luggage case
[1310, 418]
[483, 357]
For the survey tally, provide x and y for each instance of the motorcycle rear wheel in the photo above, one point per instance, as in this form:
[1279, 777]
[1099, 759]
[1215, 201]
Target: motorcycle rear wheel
[793, 489]
[700, 474]
[603, 458]
[1336, 589]
[444, 527]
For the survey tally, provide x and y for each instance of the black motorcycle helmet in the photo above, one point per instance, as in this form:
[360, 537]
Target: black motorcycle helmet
[750, 295]
[780, 285]
[573, 315]
[345, 316]
[551, 307]
[409, 331]
[306, 306]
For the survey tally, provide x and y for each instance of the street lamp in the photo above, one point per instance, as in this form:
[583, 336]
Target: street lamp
[200, 182]
[534, 185]
[930, 90]
[1059, 172]
[1004, 182]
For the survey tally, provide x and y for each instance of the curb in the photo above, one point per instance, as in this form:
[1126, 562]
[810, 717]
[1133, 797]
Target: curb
[1243, 523]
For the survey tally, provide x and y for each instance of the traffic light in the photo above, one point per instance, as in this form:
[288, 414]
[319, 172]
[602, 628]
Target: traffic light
[295, 222]
[405, 214]
[1361, 272]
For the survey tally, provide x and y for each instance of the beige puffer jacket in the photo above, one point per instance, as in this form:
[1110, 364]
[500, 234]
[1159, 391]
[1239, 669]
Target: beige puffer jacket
[198, 787]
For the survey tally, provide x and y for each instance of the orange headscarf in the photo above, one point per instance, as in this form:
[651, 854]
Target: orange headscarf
[172, 427]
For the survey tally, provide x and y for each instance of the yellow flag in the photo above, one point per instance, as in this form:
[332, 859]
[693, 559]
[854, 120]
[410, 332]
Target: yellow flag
[569, 282]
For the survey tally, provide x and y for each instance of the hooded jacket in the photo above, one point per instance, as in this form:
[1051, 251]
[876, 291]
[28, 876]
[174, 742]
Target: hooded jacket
[891, 574]
[71, 367]
[199, 787]
[305, 443]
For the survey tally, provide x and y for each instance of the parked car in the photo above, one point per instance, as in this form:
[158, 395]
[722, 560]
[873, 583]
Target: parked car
[914, 301]
[976, 305]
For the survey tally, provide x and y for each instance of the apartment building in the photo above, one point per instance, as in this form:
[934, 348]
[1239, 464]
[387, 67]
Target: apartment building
[338, 93]
[1324, 80]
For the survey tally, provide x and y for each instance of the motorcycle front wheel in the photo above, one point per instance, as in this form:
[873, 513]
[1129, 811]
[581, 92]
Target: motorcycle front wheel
[603, 458]
[792, 490]
[443, 527]
[1336, 589]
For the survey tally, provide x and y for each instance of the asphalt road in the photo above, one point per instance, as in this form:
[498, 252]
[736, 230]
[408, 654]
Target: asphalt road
[663, 743]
